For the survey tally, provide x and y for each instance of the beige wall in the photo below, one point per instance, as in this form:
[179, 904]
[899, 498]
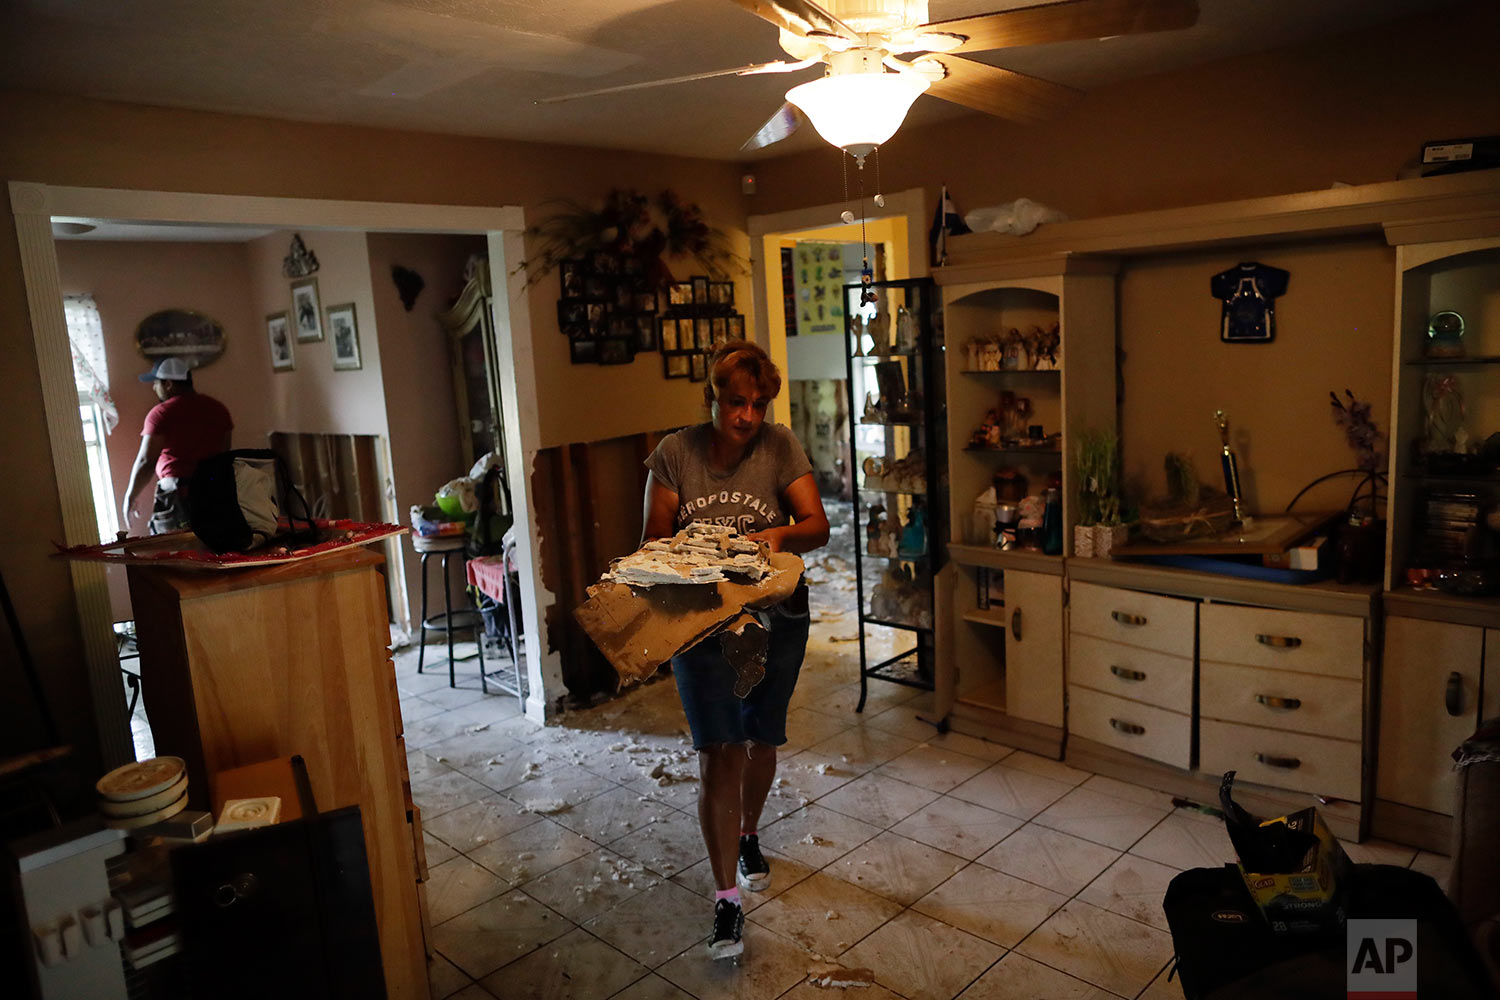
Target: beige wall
[418, 376]
[1334, 329]
[313, 398]
[1353, 109]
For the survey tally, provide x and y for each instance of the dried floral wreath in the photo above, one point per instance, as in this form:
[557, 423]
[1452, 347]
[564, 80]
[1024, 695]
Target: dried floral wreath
[630, 225]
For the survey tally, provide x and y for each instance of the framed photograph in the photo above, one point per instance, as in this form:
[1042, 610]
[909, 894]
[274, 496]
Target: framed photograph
[703, 333]
[645, 332]
[676, 366]
[631, 265]
[576, 331]
[598, 288]
[700, 290]
[645, 302]
[736, 326]
[583, 351]
[571, 277]
[307, 315]
[344, 332]
[598, 319]
[721, 293]
[668, 334]
[697, 367]
[624, 296]
[680, 295]
[604, 262]
[279, 334]
[572, 313]
[721, 331]
[621, 326]
[615, 351]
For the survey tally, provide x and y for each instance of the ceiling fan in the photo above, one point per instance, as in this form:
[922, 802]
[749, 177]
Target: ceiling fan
[878, 56]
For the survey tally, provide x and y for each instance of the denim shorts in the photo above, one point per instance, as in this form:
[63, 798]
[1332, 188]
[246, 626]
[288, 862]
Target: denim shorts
[705, 683]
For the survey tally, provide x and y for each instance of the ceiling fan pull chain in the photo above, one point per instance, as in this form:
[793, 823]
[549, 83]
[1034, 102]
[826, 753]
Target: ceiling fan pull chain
[866, 274]
[879, 198]
[846, 216]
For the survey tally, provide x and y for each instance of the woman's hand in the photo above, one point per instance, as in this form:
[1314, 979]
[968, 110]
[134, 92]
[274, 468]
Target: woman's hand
[771, 536]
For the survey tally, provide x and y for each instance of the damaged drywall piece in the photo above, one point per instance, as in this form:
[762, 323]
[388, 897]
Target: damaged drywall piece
[545, 807]
[640, 628]
[699, 553]
[832, 975]
[745, 642]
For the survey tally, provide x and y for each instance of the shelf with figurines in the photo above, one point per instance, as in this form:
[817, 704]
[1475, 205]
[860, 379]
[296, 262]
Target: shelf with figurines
[1011, 351]
[886, 537]
[903, 475]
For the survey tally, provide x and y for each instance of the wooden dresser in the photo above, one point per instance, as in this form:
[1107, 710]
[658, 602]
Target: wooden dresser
[239, 667]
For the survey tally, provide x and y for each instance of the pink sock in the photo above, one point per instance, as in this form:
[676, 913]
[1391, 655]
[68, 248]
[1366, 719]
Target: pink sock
[733, 895]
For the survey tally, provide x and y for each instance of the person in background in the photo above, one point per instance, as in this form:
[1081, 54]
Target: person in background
[179, 432]
[740, 471]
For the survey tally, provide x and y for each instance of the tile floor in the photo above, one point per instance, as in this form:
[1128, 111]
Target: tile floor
[565, 862]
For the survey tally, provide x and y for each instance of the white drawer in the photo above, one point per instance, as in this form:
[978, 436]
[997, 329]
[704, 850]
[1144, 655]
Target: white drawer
[1139, 674]
[1130, 726]
[1278, 699]
[1150, 621]
[1333, 645]
[1280, 759]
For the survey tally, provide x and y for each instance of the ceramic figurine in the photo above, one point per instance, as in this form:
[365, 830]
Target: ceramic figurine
[1443, 400]
[906, 331]
[879, 329]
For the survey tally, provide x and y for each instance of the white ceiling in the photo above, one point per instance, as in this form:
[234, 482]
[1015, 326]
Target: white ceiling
[475, 66]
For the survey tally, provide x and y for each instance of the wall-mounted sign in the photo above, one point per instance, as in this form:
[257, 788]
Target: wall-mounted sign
[195, 338]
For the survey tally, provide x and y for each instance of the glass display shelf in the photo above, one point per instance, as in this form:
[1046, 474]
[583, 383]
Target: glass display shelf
[1486, 359]
[1010, 371]
[884, 489]
[893, 623]
[1013, 451]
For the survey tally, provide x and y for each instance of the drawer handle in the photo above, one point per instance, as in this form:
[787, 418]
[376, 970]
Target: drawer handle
[1285, 763]
[1015, 624]
[1126, 618]
[1271, 701]
[1128, 728]
[1126, 674]
[1453, 695]
[1279, 641]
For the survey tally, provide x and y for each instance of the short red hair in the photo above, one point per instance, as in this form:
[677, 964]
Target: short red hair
[741, 356]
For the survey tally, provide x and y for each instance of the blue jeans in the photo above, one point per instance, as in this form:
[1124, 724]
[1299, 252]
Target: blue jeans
[705, 683]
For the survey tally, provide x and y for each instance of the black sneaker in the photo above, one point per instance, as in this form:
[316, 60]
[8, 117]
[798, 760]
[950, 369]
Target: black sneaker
[729, 924]
[754, 872]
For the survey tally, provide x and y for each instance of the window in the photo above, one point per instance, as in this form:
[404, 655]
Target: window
[96, 409]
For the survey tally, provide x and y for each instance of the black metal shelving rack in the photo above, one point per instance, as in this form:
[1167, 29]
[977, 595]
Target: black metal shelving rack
[923, 372]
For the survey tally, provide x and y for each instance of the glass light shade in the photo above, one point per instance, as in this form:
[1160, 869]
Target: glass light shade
[858, 111]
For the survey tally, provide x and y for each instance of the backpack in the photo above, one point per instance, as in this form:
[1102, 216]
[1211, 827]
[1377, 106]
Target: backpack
[236, 497]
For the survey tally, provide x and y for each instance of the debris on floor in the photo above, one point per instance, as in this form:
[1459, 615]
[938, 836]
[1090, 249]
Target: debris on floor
[831, 975]
[544, 807]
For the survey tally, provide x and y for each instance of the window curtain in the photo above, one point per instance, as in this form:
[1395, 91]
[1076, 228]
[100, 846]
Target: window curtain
[86, 338]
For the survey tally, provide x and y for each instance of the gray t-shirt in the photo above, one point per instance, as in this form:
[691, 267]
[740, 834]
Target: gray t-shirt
[747, 497]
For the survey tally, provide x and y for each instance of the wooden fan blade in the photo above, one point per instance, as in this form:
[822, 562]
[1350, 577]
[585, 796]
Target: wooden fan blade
[783, 123]
[797, 16]
[1066, 21]
[754, 69]
[1000, 92]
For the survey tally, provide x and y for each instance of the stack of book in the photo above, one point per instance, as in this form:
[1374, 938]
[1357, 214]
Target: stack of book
[1448, 519]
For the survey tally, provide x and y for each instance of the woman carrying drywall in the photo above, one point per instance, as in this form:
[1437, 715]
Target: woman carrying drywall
[740, 471]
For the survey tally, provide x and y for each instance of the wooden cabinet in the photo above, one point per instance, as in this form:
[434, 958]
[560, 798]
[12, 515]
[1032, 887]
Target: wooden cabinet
[1131, 671]
[1273, 680]
[1034, 647]
[1432, 678]
[244, 666]
[476, 365]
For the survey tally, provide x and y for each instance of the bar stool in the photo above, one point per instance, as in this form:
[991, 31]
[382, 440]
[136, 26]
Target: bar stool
[448, 620]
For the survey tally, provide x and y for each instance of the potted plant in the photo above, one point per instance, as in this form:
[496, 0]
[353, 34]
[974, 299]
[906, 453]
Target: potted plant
[1096, 466]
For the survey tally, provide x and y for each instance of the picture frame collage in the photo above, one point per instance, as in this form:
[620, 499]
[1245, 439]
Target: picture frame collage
[699, 317]
[607, 309]
[309, 322]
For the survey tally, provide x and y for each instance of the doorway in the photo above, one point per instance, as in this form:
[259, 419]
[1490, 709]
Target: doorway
[36, 207]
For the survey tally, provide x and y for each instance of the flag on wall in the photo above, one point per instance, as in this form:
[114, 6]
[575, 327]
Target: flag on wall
[944, 221]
